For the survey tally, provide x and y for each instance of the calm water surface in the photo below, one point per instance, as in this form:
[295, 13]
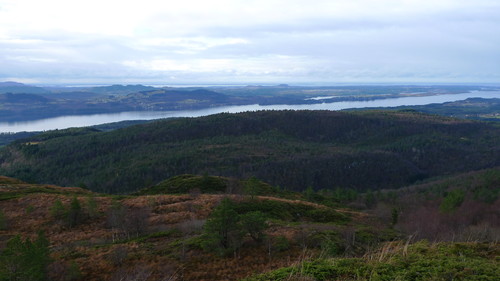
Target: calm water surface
[89, 120]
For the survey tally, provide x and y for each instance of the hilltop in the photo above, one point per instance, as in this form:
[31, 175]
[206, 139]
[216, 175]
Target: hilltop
[15, 87]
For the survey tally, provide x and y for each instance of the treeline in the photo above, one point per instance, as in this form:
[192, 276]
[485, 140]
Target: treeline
[6, 138]
[290, 149]
[471, 108]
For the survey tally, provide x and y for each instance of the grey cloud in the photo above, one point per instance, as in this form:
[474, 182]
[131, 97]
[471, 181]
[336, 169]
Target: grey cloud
[452, 43]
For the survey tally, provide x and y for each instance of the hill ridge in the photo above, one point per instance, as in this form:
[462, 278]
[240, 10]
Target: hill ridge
[292, 149]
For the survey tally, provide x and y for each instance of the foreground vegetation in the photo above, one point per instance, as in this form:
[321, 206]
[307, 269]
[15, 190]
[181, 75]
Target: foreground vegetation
[102, 237]
[400, 261]
[57, 233]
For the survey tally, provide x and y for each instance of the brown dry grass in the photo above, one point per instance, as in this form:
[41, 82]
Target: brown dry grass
[90, 243]
[7, 180]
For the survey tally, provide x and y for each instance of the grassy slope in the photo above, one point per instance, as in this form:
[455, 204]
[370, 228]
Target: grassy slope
[369, 149]
[299, 246]
[474, 221]
[169, 244]
[398, 261]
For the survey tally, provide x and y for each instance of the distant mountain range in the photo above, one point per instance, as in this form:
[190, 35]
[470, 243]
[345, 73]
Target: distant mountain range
[22, 102]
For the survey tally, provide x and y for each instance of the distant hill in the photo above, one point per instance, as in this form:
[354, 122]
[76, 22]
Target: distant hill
[14, 87]
[291, 149]
[75, 95]
[123, 98]
[22, 98]
[121, 89]
[12, 84]
[471, 108]
[176, 99]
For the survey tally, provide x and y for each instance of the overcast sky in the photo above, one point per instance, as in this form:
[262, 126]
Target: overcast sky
[249, 41]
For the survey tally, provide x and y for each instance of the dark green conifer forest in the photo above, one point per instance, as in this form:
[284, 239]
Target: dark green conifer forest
[293, 149]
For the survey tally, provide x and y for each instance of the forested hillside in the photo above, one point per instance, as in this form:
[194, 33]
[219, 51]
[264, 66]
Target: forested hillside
[291, 149]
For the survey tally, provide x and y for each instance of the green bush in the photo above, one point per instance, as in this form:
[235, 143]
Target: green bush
[452, 200]
[281, 244]
[58, 211]
[331, 244]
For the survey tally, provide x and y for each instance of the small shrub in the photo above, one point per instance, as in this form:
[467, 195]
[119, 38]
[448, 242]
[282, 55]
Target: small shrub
[486, 194]
[92, 209]
[3, 221]
[281, 243]
[29, 209]
[452, 201]
[58, 211]
[331, 244]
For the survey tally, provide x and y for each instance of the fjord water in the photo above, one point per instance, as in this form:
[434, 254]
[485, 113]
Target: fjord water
[95, 119]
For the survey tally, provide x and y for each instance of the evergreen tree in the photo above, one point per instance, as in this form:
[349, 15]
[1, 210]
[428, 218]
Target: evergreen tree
[58, 211]
[254, 223]
[394, 216]
[75, 213]
[25, 260]
[309, 193]
[92, 209]
[222, 231]
[370, 199]
[251, 187]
